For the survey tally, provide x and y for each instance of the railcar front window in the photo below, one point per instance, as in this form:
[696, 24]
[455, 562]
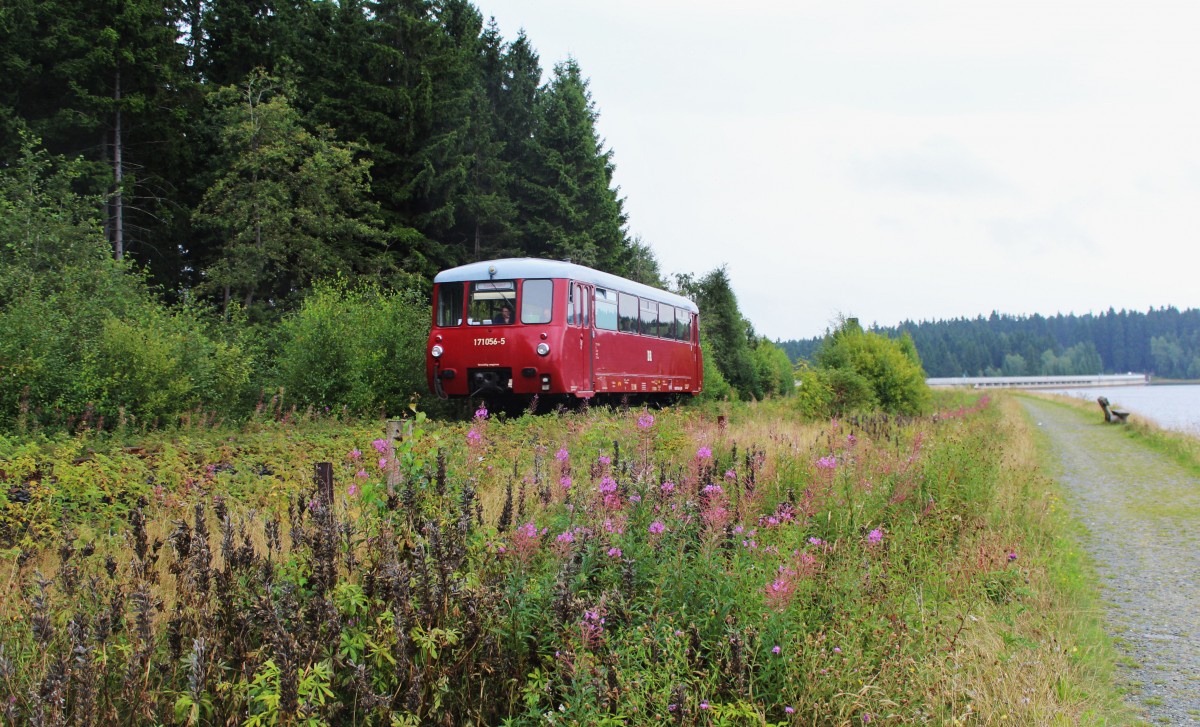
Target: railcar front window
[537, 299]
[492, 303]
[450, 304]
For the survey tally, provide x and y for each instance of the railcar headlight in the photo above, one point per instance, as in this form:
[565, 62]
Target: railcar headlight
[436, 351]
[543, 348]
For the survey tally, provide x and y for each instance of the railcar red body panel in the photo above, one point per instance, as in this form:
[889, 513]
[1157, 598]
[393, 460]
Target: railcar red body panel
[515, 328]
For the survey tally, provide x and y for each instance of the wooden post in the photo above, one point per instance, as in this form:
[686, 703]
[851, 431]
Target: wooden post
[323, 475]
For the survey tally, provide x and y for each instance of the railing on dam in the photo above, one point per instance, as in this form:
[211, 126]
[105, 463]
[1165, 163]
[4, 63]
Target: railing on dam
[1040, 382]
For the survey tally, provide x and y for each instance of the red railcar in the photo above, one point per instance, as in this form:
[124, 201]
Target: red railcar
[571, 332]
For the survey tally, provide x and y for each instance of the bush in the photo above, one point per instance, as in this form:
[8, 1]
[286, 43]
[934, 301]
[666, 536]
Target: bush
[361, 348]
[773, 369]
[716, 387]
[161, 363]
[890, 369]
[83, 334]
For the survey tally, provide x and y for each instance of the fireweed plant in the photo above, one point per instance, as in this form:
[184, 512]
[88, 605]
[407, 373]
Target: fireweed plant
[603, 567]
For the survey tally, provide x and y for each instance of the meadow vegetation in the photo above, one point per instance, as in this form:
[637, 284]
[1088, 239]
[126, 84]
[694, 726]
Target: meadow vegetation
[582, 568]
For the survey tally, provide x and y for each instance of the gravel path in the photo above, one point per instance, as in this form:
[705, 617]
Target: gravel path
[1143, 514]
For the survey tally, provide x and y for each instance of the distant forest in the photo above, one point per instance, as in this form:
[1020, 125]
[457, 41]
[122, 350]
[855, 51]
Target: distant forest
[1164, 342]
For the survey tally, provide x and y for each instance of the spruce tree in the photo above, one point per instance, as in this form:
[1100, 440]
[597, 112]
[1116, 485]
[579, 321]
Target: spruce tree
[570, 207]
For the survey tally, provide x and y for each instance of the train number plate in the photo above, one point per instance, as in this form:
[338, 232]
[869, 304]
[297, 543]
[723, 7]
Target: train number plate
[489, 341]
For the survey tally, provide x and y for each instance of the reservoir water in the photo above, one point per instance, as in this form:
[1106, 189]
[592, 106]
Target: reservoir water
[1174, 407]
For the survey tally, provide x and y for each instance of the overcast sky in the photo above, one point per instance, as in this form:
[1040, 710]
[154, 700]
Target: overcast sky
[891, 161]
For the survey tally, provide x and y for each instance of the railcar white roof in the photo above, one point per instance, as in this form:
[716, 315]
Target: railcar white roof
[528, 267]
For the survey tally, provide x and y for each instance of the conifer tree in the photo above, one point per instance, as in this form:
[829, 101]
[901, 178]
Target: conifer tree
[727, 331]
[570, 208]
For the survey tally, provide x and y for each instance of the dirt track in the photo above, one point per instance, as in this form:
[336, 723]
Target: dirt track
[1143, 515]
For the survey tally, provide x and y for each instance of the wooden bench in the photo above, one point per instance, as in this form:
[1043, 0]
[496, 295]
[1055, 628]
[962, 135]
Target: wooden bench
[1112, 416]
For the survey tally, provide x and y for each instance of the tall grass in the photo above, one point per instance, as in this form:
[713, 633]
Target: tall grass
[604, 567]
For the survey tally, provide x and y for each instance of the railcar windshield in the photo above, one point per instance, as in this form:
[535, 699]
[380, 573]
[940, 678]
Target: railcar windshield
[537, 301]
[492, 303]
[450, 304]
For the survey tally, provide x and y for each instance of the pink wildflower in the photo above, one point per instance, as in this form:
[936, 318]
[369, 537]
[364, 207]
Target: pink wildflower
[562, 454]
[380, 445]
[361, 474]
[608, 484]
[704, 453]
[657, 527]
[614, 552]
[827, 463]
[776, 650]
[382, 462]
[875, 537]
[645, 421]
[565, 482]
[473, 437]
[355, 454]
[481, 413]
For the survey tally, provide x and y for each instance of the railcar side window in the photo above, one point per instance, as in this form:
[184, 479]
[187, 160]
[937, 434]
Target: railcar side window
[649, 317]
[666, 321]
[627, 309]
[537, 299]
[683, 324]
[450, 304]
[606, 309]
[491, 301]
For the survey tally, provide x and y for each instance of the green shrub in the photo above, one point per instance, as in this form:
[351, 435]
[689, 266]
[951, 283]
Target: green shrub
[83, 334]
[890, 369]
[716, 387]
[161, 363]
[361, 348]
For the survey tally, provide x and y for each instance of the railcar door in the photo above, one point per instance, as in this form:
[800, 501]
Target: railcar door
[581, 300]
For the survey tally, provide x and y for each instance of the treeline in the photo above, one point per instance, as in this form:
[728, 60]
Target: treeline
[241, 150]
[1164, 342]
[217, 206]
